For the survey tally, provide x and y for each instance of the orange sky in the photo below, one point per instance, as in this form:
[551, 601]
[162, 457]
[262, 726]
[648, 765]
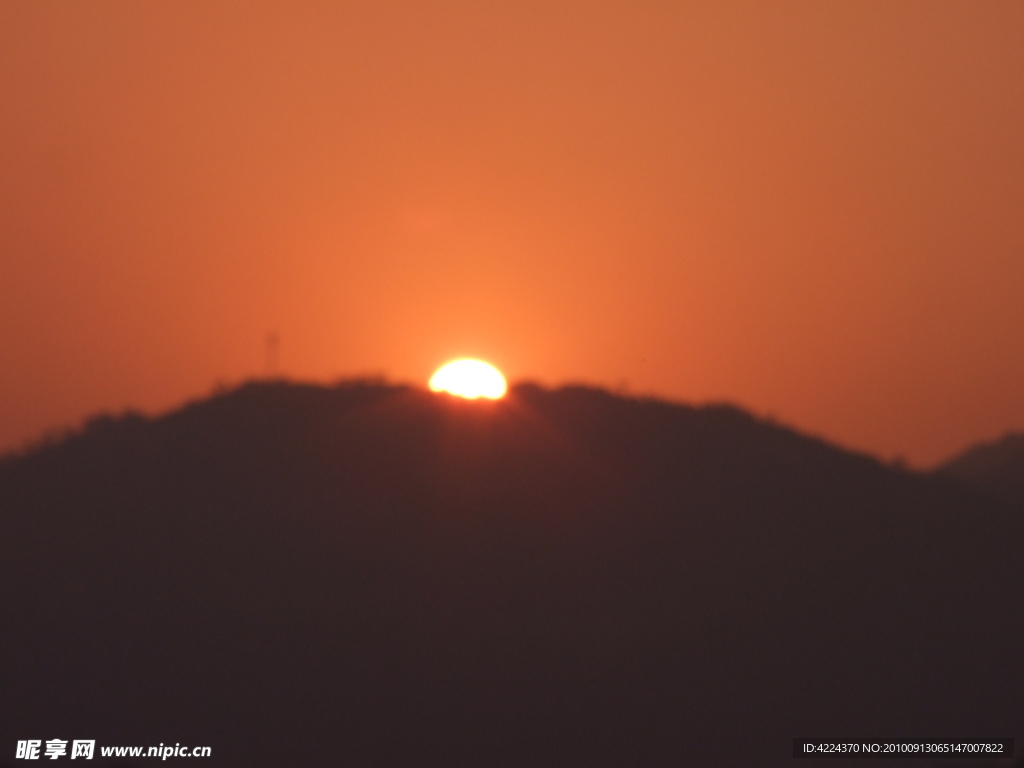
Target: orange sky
[813, 209]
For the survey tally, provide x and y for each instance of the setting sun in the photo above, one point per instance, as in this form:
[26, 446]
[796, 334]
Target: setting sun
[469, 378]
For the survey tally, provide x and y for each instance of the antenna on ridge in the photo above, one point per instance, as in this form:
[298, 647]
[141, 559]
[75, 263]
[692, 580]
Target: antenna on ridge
[272, 347]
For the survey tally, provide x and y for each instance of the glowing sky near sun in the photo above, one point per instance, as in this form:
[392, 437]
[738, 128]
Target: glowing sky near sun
[811, 209]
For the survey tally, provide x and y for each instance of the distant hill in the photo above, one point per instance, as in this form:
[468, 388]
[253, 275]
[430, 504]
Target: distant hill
[998, 467]
[379, 576]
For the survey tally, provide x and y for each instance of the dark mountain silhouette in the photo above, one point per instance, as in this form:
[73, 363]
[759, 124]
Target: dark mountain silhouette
[998, 467]
[378, 576]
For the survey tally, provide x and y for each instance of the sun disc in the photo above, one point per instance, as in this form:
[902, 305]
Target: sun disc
[469, 378]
